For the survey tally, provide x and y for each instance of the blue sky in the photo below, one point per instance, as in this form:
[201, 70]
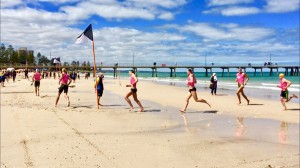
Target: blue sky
[164, 31]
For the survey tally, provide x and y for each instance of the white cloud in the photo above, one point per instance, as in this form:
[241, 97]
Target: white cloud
[282, 6]
[118, 10]
[228, 32]
[229, 8]
[10, 3]
[227, 2]
[239, 11]
[165, 3]
[233, 11]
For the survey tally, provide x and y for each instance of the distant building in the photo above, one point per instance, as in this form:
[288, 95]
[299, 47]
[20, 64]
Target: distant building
[24, 54]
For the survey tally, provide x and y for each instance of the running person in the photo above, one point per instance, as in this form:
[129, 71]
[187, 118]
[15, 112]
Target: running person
[99, 87]
[284, 96]
[64, 83]
[191, 80]
[240, 79]
[133, 91]
[36, 78]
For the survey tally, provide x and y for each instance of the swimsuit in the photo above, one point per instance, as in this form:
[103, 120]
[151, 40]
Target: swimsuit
[284, 92]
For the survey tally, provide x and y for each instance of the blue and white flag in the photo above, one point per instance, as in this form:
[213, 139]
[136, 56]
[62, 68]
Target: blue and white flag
[87, 35]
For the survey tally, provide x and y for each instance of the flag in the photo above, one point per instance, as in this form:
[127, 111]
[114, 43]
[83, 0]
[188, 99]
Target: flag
[87, 35]
[56, 60]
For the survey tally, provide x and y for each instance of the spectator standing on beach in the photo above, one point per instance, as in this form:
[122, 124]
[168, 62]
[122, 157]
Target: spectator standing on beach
[191, 80]
[213, 83]
[14, 75]
[64, 83]
[26, 73]
[99, 88]
[133, 91]
[36, 78]
[2, 79]
[284, 96]
[242, 80]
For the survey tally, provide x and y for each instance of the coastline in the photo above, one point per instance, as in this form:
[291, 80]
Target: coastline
[36, 134]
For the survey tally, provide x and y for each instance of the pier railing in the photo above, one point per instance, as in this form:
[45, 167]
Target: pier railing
[291, 70]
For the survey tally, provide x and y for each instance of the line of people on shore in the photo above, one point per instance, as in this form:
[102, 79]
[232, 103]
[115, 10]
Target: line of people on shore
[241, 79]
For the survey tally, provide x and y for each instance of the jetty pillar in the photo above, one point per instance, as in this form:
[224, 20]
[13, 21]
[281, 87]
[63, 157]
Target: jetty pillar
[262, 74]
[206, 71]
[135, 71]
[254, 71]
[271, 71]
[115, 72]
[154, 71]
[171, 72]
[286, 71]
[292, 72]
[174, 72]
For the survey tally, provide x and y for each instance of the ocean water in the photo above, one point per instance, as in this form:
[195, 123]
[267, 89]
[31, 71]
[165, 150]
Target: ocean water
[258, 86]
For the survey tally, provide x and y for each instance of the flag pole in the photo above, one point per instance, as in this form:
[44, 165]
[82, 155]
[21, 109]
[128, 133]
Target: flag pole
[93, 49]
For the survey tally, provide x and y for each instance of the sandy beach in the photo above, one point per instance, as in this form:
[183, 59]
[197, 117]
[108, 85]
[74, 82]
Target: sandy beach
[35, 133]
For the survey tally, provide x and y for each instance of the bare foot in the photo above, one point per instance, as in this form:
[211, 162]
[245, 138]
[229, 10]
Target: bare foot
[131, 109]
[208, 104]
[142, 110]
[248, 102]
[68, 103]
[182, 111]
[294, 96]
[100, 104]
[239, 103]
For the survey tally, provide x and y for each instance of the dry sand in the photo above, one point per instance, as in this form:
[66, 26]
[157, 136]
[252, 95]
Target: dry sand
[34, 133]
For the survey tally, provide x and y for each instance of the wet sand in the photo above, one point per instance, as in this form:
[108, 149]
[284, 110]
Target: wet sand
[36, 134]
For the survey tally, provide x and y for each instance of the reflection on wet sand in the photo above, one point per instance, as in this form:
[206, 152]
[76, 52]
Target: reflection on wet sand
[195, 128]
[283, 133]
[240, 129]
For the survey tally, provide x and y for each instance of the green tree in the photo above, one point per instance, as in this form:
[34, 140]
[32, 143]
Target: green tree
[30, 58]
[14, 57]
[38, 57]
[2, 52]
[66, 64]
[7, 53]
[44, 60]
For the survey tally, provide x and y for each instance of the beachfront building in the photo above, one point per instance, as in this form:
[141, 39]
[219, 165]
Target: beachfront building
[25, 55]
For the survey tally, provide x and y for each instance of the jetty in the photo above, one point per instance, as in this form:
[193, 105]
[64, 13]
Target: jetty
[289, 70]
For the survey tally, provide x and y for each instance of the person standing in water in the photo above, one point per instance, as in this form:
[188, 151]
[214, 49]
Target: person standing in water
[36, 78]
[133, 91]
[191, 80]
[99, 87]
[64, 83]
[284, 96]
[240, 79]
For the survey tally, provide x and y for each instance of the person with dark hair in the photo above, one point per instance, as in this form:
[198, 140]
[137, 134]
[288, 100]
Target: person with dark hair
[64, 83]
[14, 75]
[133, 91]
[240, 79]
[99, 88]
[26, 73]
[191, 80]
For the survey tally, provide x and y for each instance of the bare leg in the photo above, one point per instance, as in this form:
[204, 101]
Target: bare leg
[128, 100]
[283, 103]
[194, 94]
[57, 98]
[243, 94]
[35, 90]
[38, 91]
[238, 93]
[137, 101]
[67, 97]
[293, 96]
[187, 103]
